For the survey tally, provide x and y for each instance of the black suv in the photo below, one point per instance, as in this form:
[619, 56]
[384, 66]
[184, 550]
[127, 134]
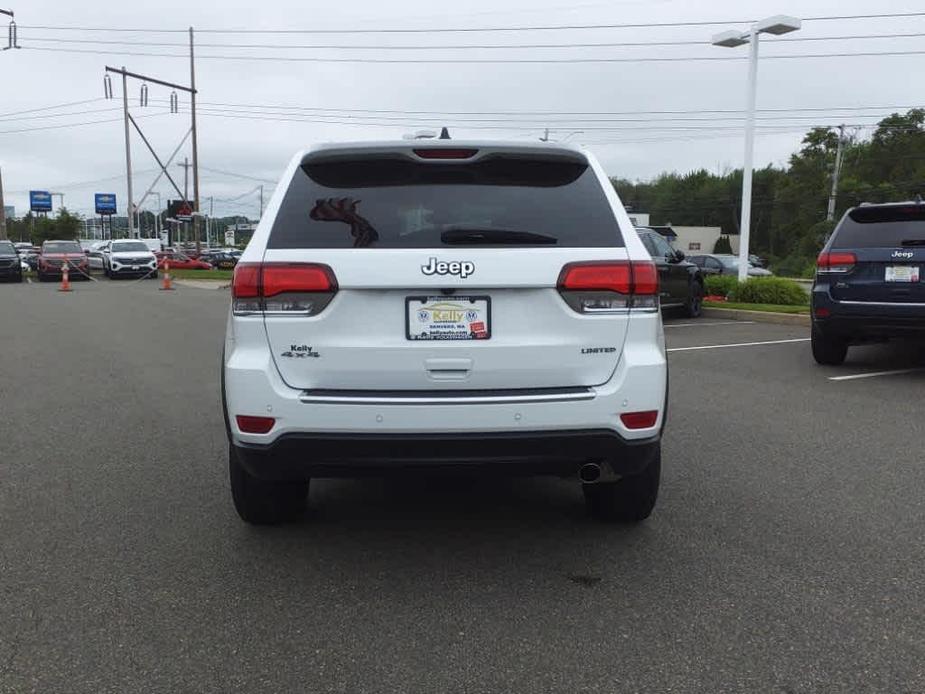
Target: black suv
[680, 282]
[869, 283]
[10, 263]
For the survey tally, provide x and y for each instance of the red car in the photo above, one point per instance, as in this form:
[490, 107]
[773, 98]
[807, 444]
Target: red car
[55, 254]
[178, 261]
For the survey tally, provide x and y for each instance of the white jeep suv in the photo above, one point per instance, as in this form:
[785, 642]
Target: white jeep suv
[424, 305]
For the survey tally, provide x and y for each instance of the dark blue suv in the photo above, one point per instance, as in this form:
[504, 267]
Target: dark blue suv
[870, 284]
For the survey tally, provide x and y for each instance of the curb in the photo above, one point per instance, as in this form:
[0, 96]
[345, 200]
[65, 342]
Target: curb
[758, 316]
[203, 284]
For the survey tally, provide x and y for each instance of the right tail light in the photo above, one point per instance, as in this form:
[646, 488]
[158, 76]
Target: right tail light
[836, 262]
[282, 288]
[611, 286]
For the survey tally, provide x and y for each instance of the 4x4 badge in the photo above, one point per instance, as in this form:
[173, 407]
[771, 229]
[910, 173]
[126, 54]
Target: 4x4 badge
[300, 352]
[462, 268]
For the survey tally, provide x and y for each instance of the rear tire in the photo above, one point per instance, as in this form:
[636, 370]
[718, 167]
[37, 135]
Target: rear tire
[694, 305]
[264, 502]
[627, 500]
[828, 350]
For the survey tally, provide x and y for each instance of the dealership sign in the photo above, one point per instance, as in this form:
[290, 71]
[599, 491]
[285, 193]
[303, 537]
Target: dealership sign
[105, 203]
[40, 201]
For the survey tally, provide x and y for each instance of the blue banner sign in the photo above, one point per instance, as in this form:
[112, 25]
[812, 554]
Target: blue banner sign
[40, 201]
[105, 203]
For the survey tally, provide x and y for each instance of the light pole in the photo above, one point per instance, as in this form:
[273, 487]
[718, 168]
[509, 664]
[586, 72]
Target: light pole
[776, 25]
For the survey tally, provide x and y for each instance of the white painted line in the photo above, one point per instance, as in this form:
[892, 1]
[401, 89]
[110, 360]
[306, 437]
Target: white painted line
[873, 374]
[719, 322]
[739, 344]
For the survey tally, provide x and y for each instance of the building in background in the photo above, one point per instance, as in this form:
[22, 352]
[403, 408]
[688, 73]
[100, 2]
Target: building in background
[695, 239]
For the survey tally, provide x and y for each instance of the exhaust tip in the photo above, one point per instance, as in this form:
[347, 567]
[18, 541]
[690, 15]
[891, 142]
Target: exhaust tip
[589, 473]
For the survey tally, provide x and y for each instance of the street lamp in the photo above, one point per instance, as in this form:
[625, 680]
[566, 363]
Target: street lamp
[776, 25]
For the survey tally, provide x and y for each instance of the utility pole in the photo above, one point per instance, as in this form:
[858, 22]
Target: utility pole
[2, 210]
[185, 166]
[192, 84]
[830, 215]
[261, 202]
[128, 157]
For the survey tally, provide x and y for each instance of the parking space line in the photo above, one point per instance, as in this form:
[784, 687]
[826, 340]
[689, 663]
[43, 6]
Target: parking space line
[739, 344]
[873, 374]
[719, 322]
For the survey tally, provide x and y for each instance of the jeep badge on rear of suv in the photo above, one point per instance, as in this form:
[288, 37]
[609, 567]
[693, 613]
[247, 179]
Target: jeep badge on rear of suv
[463, 268]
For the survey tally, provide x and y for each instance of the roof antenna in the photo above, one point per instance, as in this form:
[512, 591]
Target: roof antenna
[444, 133]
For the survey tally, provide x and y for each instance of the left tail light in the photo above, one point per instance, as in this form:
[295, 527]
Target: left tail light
[287, 288]
[611, 286]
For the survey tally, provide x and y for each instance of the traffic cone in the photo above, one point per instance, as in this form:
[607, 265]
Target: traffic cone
[166, 284]
[65, 280]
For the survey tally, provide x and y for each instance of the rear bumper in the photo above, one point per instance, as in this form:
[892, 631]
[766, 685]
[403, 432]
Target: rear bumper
[861, 321]
[301, 456]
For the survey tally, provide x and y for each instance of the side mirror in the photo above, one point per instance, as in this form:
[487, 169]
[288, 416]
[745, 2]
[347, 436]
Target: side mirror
[680, 255]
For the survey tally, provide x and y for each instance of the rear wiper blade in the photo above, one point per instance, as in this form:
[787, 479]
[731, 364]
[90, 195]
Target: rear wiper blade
[473, 237]
[913, 242]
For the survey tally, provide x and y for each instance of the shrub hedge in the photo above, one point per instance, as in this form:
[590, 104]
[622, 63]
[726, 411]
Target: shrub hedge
[757, 290]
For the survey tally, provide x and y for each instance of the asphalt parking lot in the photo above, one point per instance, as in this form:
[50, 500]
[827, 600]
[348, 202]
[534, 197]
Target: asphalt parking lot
[785, 554]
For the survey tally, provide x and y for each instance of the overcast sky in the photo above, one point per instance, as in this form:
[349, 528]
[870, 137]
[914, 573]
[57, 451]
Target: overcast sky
[254, 137]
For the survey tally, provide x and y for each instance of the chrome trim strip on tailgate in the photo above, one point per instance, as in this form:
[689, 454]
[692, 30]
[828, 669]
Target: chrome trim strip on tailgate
[444, 397]
[883, 303]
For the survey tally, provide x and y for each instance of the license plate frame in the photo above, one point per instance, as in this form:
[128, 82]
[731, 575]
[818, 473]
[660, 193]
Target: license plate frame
[902, 274]
[481, 304]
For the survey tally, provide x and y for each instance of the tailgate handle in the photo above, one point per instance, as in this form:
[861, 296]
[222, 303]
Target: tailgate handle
[448, 369]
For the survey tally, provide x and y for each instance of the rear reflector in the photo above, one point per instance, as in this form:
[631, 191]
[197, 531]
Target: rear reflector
[836, 261]
[254, 425]
[823, 312]
[639, 420]
[445, 153]
[609, 286]
[282, 287]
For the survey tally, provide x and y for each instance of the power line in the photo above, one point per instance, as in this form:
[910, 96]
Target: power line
[418, 47]
[238, 175]
[524, 119]
[338, 111]
[447, 30]
[59, 115]
[50, 108]
[510, 126]
[482, 61]
[74, 125]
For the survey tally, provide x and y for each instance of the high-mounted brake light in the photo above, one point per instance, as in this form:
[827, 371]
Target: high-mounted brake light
[304, 288]
[836, 262]
[445, 152]
[610, 286]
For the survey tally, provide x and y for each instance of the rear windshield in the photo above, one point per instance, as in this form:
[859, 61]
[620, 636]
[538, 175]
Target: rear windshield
[62, 247]
[881, 227]
[392, 203]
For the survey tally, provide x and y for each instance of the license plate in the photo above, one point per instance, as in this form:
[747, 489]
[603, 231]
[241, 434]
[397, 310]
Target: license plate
[448, 318]
[134, 267]
[902, 273]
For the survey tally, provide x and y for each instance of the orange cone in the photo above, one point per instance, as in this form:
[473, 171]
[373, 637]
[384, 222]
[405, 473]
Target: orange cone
[166, 284]
[65, 280]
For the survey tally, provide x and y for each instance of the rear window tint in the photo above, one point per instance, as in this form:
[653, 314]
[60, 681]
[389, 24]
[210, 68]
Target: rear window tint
[397, 203]
[880, 227]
